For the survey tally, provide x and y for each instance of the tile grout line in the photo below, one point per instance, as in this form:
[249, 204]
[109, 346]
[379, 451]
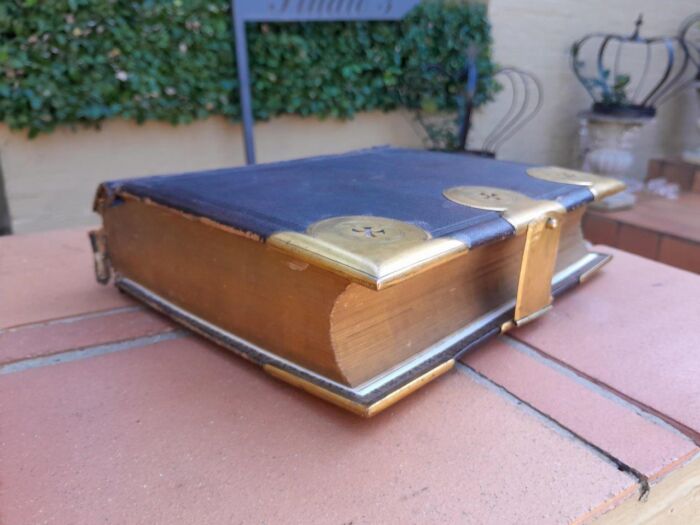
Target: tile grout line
[73, 318]
[558, 427]
[603, 389]
[87, 352]
[533, 353]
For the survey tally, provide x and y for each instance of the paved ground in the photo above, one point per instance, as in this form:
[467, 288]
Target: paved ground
[110, 414]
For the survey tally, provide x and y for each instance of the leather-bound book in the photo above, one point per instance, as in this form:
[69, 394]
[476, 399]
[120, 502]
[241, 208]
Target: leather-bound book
[357, 277]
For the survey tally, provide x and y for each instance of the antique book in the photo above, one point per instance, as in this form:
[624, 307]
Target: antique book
[357, 277]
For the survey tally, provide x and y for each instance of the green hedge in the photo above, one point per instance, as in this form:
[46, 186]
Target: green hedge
[68, 62]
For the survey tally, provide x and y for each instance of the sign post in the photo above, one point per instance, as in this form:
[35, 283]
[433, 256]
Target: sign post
[243, 11]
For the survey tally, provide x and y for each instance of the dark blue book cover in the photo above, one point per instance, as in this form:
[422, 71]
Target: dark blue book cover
[402, 184]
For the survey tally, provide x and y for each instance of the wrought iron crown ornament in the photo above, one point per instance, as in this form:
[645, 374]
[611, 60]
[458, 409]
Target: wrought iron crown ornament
[521, 90]
[689, 35]
[630, 75]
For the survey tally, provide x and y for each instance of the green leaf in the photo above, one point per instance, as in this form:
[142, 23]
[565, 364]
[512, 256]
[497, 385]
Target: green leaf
[79, 62]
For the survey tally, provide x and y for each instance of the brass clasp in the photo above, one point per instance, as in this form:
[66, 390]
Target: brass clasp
[537, 269]
[540, 221]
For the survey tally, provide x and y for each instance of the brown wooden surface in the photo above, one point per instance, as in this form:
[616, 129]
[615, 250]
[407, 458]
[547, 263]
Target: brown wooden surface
[685, 174]
[657, 228]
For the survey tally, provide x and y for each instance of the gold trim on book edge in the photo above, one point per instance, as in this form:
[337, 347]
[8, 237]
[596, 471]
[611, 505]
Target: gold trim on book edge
[600, 186]
[518, 209]
[585, 276]
[353, 406]
[374, 251]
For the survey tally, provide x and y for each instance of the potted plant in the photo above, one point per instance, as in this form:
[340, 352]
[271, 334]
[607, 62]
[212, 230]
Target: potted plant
[626, 93]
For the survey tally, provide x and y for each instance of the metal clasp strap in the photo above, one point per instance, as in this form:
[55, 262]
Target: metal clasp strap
[534, 295]
[540, 221]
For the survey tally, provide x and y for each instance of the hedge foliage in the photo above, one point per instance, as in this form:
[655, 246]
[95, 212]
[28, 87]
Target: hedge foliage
[68, 62]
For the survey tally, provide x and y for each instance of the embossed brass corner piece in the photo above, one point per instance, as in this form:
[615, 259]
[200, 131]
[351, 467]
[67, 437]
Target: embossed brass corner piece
[361, 233]
[541, 220]
[518, 209]
[599, 186]
[353, 406]
[374, 251]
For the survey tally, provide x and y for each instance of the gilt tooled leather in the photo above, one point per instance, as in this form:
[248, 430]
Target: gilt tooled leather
[400, 184]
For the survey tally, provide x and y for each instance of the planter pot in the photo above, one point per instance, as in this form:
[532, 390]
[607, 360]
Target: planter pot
[632, 111]
[607, 143]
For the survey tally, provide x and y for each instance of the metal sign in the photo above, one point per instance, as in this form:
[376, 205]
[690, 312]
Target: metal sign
[319, 10]
[243, 11]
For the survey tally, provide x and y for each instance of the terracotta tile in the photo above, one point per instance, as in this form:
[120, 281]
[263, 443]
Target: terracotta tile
[680, 173]
[654, 169]
[633, 328]
[638, 240]
[180, 432]
[677, 217]
[687, 175]
[600, 230]
[47, 339]
[49, 276]
[696, 182]
[613, 426]
[680, 253]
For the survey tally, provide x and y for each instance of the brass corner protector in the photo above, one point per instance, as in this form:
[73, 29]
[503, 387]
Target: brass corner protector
[598, 185]
[374, 251]
[354, 406]
[518, 209]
